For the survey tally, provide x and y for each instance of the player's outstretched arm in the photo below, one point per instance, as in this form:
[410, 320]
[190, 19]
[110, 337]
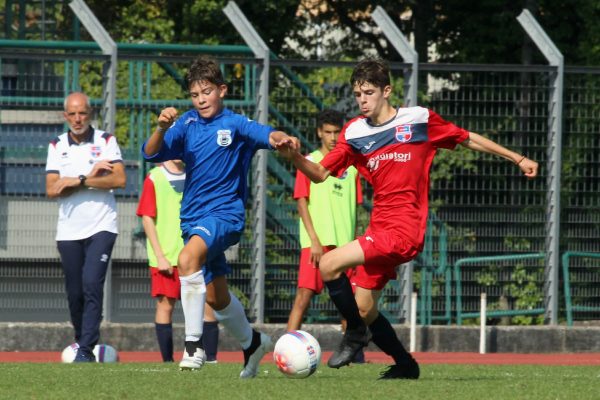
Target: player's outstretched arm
[165, 120]
[314, 171]
[280, 139]
[289, 147]
[479, 143]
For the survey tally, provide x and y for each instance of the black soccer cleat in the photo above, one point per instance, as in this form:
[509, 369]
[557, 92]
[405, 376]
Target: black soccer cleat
[410, 370]
[351, 344]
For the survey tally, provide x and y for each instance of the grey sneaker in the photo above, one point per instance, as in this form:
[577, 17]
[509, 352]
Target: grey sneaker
[352, 343]
[193, 357]
[261, 345]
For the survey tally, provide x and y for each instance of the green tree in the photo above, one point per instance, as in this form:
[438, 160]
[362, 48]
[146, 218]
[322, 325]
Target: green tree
[465, 31]
[193, 22]
[138, 22]
[203, 21]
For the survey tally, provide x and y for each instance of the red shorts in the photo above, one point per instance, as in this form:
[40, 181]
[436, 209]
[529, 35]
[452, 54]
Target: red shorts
[165, 285]
[384, 251]
[309, 276]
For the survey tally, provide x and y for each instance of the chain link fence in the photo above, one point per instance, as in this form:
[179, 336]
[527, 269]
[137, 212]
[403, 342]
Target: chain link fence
[480, 205]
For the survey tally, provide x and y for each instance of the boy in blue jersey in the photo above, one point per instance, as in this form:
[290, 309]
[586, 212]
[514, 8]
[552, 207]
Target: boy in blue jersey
[216, 146]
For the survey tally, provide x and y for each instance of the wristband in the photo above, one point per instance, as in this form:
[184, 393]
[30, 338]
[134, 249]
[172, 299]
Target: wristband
[521, 160]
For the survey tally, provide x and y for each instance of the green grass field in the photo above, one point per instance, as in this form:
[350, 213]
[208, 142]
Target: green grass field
[165, 382]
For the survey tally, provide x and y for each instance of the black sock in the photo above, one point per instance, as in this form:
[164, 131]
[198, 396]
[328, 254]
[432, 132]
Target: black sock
[386, 339]
[164, 334]
[210, 339]
[341, 294]
[253, 346]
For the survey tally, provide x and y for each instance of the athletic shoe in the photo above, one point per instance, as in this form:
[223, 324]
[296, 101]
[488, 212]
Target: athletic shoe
[261, 345]
[352, 343]
[211, 361]
[83, 356]
[398, 371]
[193, 357]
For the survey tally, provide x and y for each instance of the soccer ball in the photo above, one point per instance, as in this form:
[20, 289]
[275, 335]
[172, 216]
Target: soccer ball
[69, 353]
[297, 354]
[103, 353]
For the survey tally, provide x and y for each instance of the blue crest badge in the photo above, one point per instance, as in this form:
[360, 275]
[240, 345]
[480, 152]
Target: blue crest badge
[404, 133]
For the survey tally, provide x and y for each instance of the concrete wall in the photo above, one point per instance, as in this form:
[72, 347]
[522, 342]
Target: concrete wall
[141, 337]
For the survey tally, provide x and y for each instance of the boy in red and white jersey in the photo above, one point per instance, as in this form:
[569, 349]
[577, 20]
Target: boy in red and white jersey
[393, 148]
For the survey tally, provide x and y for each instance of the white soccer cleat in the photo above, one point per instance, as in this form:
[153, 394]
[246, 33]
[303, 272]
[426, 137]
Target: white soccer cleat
[252, 360]
[192, 361]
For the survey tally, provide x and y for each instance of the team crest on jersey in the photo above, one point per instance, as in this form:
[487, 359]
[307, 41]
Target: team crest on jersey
[404, 133]
[96, 151]
[224, 137]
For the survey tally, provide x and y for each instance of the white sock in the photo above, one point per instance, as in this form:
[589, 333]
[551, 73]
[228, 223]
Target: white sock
[233, 318]
[193, 296]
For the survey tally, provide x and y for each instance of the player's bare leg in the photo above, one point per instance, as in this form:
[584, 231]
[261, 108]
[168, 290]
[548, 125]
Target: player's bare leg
[301, 304]
[164, 329]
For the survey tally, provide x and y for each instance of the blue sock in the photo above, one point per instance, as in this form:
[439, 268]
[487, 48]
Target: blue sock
[164, 334]
[210, 339]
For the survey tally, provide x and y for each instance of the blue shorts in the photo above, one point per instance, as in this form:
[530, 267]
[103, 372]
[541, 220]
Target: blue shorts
[219, 234]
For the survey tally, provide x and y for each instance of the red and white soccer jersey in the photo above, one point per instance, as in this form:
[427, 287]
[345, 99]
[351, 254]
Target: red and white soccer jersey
[396, 157]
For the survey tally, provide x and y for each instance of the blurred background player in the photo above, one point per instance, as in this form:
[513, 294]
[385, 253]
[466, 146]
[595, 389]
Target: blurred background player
[217, 146]
[159, 208]
[84, 165]
[393, 147]
[327, 217]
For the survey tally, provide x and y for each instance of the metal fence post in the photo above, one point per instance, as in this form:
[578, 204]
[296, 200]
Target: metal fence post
[402, 46]
[555, 58]
[259, 189]
[109, 70]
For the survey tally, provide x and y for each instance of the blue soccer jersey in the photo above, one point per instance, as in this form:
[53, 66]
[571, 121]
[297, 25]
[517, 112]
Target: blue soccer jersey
[217, 153]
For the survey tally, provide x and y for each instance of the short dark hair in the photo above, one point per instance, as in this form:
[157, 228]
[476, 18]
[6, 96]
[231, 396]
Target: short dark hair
[330, 116]
[205, 68]
[373, 71]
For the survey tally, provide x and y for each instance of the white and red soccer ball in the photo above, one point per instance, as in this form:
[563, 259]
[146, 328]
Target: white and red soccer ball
[297, 354]
[103, 352]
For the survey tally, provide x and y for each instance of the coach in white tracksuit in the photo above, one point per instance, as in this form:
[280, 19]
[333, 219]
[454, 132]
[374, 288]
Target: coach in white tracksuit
[83, 166]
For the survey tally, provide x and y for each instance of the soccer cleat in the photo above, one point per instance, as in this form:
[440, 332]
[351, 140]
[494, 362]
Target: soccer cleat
[402, 371]
[261, 344]
[193, 357]
[83, 356]
[352, 343]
